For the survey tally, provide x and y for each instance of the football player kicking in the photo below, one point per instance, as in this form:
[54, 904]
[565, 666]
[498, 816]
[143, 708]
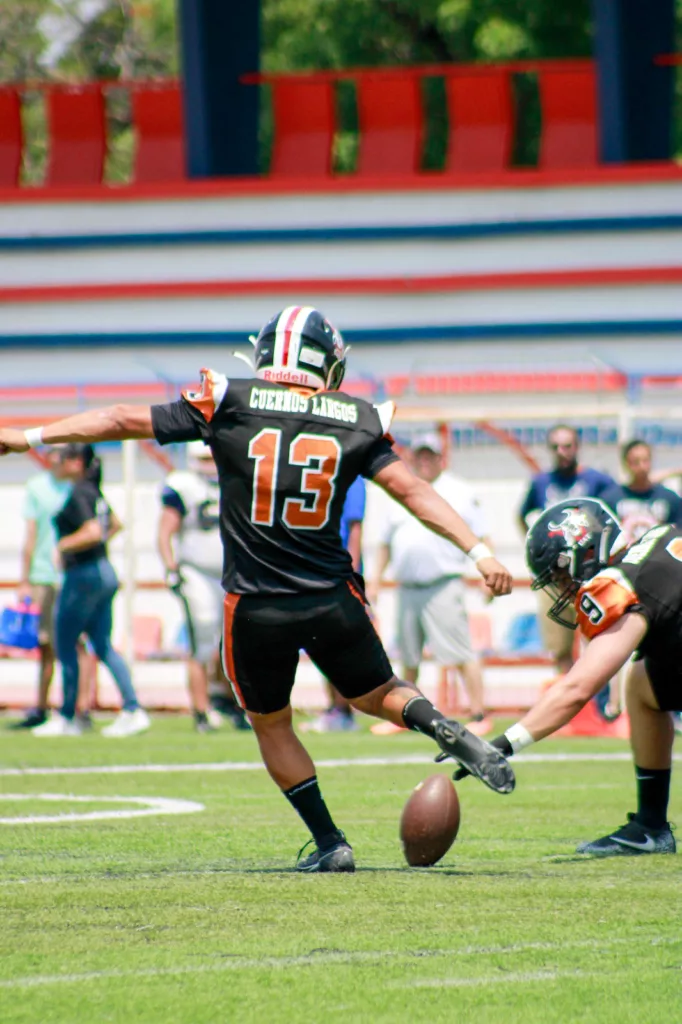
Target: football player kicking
[288, 446]
[628, 602]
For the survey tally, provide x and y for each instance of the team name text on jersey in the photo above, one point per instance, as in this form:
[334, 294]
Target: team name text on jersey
[276, 400]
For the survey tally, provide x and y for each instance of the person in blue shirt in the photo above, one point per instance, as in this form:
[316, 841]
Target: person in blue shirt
[641, 504]
[566, 479]
[351, 521]
[339, 715]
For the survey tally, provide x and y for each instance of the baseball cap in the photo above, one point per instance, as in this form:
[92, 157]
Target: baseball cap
[77, 450]
[431, 441]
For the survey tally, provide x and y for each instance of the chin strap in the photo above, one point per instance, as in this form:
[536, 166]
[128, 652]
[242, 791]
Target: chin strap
[333, 367]
[245, 359]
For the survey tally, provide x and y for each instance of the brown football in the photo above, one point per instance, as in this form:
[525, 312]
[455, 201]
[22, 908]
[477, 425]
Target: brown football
[430, 821]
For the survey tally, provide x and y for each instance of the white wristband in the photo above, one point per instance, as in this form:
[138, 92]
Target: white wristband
[519, 737]
[34, 437]
[480, 551]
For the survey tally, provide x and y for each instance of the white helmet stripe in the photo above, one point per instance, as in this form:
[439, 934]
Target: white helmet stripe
[286, 318]
[296, 334]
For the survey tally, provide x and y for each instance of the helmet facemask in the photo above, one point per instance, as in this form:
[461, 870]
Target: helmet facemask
[560, 585]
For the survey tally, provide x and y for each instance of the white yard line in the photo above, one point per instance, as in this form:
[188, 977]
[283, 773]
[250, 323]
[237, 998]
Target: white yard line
[150, 805]
[327, 957]
[509, 978]
[347, 762]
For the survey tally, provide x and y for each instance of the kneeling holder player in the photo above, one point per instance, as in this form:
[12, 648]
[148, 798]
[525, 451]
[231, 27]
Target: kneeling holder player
[628, 602]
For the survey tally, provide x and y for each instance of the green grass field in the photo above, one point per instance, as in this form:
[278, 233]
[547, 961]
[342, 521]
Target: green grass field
[198, 917]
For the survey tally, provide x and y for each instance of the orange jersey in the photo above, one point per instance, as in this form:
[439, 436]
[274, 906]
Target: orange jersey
[603, 600]
[646, 578]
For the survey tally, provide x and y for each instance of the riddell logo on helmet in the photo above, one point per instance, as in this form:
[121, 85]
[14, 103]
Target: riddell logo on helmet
[286, 377]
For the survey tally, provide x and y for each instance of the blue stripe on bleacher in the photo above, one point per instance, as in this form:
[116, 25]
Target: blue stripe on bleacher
[346, 234]
[377, 335]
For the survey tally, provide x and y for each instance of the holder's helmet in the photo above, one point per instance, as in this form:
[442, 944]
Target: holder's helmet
[568, 544]
[299, 346]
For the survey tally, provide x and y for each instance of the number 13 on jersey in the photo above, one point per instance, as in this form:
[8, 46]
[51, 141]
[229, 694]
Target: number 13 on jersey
[320, 459]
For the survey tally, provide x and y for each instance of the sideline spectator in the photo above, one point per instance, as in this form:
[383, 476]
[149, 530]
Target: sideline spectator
[429, 573]
[640, 503]
[566, 479]
[339, 715]
[45, 495]
[189, 544]
[84, 525]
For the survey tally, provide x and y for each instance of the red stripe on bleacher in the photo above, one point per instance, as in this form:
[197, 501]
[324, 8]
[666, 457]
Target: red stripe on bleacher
[479, 181]
[541, 279]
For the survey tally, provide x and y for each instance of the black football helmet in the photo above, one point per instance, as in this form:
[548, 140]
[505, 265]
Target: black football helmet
[299, 346]
[570, 543]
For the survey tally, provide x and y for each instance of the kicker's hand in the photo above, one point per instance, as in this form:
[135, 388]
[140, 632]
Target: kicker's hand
[12, 440]
[496, 577]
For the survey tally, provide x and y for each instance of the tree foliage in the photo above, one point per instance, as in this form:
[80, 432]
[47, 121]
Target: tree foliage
[138, 39]
[306, 34]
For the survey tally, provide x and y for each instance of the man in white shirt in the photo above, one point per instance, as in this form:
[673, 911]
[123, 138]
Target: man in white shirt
[429, 573]
[192, 553]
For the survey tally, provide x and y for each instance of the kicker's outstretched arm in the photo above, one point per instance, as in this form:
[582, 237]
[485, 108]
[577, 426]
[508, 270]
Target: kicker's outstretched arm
[425, 504]
[114, 423]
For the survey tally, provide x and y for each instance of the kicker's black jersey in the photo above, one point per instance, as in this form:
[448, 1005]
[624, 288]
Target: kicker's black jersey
[285, 462]
[647, 579]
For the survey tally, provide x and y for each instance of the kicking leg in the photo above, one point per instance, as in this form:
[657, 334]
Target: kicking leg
[404, 704]
[361, 671]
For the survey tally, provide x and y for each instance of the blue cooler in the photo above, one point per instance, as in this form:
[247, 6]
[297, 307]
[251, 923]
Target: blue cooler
[19, 626]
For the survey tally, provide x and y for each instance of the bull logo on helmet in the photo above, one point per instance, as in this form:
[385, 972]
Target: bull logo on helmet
[575, 527]
[339, 347]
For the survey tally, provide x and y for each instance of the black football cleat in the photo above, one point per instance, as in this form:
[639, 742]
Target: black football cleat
[631, 840]
[202, 725]
[337, 857]
[474, 754]
[32, 719]
[240, 721]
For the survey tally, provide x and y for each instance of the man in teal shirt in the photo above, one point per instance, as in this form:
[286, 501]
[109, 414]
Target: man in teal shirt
[45, 496]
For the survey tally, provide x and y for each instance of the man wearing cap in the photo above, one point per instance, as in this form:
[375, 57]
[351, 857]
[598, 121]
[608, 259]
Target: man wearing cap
[429, 571]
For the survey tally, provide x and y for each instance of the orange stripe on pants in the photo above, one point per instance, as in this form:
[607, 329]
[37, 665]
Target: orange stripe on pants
[230, 607]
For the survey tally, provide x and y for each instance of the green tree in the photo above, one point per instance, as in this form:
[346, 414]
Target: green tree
[308, 34]
[125, 39]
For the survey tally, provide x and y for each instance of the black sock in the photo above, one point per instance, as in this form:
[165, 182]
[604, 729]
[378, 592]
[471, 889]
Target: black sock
[306, 798]
[419, 714]
[653, 791]
[200, 717]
